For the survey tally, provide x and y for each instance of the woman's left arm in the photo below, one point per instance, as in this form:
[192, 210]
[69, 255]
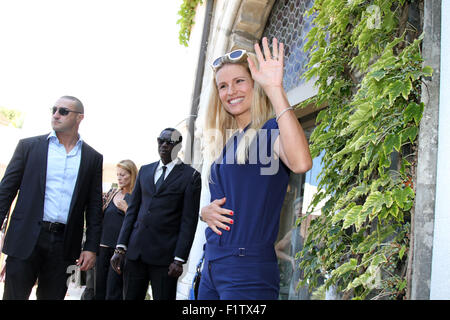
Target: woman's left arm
[291, 145]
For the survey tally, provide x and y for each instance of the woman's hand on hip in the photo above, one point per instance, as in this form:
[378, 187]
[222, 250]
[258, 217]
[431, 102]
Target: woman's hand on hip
[217, 217]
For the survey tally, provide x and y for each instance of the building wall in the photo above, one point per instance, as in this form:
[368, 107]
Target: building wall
[423, 219]
[440, 271]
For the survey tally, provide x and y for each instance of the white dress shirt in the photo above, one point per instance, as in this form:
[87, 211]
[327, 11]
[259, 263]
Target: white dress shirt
[62, 174]
[169, 166]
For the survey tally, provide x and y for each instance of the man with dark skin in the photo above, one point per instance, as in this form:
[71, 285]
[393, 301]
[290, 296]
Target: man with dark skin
[160, 223]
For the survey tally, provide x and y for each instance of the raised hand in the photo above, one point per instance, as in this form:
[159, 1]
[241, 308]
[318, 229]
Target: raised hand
[270, 71]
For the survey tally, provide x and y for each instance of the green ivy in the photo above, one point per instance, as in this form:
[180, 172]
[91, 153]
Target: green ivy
[13, 117]
[367, 60]
[186, 21]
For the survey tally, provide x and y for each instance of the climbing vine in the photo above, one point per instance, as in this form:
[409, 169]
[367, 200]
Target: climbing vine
[186, 21]
[11, 117]
[366, 59]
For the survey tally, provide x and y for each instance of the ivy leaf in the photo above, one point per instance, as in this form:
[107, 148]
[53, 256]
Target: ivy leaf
[401, 252]
[361, 115]
[394, 90]
[365, 36]
[339, 215]
[380, 103]
[378, 259]
[367, 244]
[427, 71]
[402, 284]
[388, 21]
[388, 199]
[394, 210]
[316, 56]
[352, 216]
[401, 196]
[413, 111]
[374, 202]
[382, 214]
[410, 133]
[311, 38]
[346, 267]
[409, 192]
[392, 141]
[407, 87]
[367, 279]
[385, 232]
[378, 75]
[358, 191]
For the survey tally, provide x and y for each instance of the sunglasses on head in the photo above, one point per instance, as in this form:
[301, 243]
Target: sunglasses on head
[63, 111]
[233, 56]
[168, 141]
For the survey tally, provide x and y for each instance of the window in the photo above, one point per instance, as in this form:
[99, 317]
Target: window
[289, 25]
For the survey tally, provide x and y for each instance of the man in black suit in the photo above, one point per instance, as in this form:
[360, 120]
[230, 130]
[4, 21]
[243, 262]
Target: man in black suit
[59, 180]
[160, 223]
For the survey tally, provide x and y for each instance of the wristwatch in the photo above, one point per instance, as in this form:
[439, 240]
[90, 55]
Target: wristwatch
[120, 251]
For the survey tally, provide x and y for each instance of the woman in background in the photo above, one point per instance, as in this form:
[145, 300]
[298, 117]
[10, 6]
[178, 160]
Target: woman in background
[109, 284]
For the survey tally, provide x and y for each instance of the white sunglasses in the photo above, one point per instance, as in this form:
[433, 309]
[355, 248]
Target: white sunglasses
[233, 56]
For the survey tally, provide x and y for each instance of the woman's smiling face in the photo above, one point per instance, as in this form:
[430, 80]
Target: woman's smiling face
[235, 87]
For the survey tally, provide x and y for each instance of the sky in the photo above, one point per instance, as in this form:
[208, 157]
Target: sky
[121, 58]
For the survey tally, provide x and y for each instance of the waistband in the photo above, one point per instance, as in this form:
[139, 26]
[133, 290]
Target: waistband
[54, 227]
[258, 253]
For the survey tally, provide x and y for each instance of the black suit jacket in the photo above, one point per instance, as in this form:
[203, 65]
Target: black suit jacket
[26, 173]
[161, 225]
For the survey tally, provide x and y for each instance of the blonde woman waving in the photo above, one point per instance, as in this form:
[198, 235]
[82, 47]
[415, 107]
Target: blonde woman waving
[248, 181]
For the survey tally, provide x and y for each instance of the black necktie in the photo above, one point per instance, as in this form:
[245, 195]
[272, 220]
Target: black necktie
[161, 178]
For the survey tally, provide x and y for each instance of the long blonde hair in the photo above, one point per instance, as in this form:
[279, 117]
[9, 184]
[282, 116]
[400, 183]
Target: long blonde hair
[221, 125]
[129, 166]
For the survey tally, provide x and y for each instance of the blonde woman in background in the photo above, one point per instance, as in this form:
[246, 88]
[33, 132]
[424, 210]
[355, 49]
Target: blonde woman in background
[247, 181]
[109, 284]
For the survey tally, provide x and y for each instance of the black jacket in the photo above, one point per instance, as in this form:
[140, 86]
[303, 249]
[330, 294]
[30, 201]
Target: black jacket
[161, 225]
[26, 173]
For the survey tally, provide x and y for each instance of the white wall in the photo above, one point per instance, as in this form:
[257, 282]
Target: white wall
[440, 272]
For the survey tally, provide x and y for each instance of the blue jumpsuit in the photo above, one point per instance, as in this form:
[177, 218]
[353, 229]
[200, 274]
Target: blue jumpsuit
[241, 263]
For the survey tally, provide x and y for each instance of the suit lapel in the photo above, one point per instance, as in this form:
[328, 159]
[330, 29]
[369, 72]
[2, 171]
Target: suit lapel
[42, 162]
[152, 176]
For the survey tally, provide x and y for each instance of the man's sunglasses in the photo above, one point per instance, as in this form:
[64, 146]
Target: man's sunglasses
[63, 111]
[170, 142]
[233, 56]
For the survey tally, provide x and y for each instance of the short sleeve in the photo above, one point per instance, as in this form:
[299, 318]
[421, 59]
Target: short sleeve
[272, 132]
[214, 183]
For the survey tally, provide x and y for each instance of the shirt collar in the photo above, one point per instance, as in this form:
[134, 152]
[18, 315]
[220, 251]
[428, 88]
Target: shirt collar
[53, 135]
[170, 165]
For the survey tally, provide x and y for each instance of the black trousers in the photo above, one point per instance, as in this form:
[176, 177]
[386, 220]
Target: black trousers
[108, 284]
[45, 265]
[138, 274]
